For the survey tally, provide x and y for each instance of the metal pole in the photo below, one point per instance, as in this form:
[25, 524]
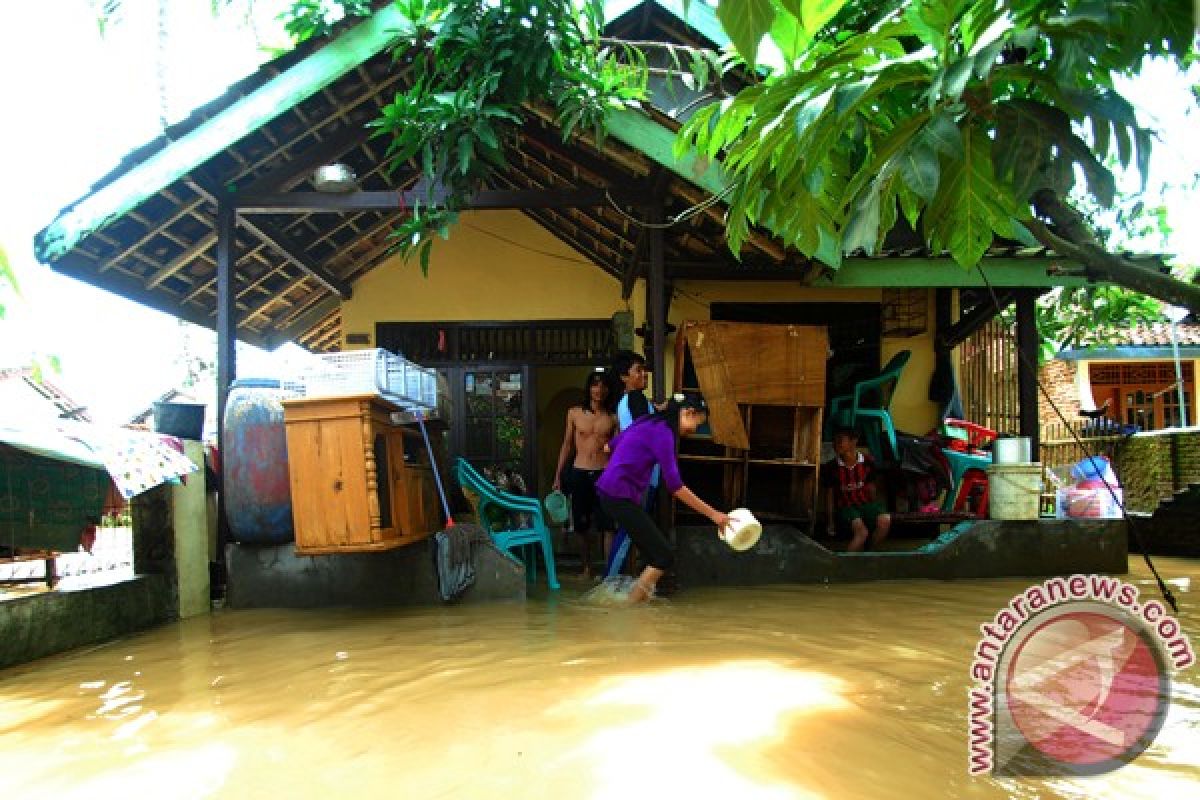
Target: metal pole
[1183, 414]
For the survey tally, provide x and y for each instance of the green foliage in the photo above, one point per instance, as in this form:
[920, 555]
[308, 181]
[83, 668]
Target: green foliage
[956, 114]
[7, 278]
[951, 112]
[1093, 315]
[305, 19]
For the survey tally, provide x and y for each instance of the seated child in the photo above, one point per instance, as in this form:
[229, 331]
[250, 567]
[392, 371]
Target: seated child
[849, 481]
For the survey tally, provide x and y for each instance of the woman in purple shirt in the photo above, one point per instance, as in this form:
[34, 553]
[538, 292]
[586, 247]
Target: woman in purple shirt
[651, 441]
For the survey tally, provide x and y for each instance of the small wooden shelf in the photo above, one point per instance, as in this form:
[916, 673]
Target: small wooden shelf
[777, 402]
[712, 459]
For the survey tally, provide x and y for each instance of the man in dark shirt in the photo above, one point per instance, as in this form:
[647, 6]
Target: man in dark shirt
[849, 481]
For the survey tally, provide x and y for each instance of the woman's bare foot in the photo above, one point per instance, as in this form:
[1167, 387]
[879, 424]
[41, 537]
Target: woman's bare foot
[640, 593]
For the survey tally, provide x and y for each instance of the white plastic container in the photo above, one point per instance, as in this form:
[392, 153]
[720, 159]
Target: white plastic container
[1012, 450]
[1014, 491]
[743, 530]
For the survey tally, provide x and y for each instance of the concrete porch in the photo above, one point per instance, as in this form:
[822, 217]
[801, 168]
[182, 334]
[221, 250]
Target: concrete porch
[976, 549]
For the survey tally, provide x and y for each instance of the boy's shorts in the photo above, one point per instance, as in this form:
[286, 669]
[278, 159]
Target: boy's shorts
[867, 512]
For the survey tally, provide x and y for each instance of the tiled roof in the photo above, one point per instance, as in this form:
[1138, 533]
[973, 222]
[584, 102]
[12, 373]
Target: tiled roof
[1158, 334]
[67, 408]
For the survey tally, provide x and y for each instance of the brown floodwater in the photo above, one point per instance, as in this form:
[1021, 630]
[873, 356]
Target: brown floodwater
[782, 692]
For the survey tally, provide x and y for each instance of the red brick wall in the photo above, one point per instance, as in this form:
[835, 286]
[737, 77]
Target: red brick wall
[1058, 380]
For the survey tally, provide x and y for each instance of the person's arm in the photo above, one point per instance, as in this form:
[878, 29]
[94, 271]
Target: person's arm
[564, 452]
[663, 447]
[689, 498]
[830, 528]
[874, 479]
[826, 476]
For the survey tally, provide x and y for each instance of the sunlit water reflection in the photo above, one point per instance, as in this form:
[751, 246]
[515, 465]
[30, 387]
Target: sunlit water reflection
[783, 692]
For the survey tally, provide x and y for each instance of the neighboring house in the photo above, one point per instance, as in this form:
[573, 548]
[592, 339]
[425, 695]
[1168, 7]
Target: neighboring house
[27, 400]
[1133, 380]
[535, 278]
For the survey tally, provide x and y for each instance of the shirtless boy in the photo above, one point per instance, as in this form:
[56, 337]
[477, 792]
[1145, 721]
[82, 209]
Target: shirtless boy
[589, 427]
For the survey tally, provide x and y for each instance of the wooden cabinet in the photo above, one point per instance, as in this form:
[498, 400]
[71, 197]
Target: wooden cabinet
[765, 387]
[359, 483]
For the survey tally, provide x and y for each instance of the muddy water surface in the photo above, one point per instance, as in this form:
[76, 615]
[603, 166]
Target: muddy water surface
[787, 692]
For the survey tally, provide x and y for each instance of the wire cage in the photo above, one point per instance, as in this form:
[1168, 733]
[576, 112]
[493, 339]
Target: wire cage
[904, 312]
[370, 371]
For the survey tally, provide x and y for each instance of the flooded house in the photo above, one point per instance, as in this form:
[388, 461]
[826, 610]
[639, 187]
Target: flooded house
[553, 266]
[562, 259]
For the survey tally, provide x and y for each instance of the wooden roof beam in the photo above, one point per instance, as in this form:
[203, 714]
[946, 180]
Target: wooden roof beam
[483, 200]
[595, 218]
[295, 171]
[264, 104]
[131, 288]
[281, 242]
[302, 324]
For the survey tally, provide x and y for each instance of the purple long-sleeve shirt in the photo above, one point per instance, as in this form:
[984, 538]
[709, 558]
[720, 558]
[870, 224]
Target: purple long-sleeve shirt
[635, 451]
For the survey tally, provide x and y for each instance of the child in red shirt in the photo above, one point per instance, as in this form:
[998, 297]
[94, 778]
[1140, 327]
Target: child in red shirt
[849, 481]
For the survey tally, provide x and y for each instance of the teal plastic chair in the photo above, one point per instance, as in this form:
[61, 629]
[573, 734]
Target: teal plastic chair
[871, 400]
[509, 539]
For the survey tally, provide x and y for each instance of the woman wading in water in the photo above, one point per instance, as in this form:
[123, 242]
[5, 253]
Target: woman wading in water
[651, 440]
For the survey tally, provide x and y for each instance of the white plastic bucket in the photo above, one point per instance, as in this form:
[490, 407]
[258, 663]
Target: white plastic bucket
[743, 530]
[1014, 491]
[1012, 450]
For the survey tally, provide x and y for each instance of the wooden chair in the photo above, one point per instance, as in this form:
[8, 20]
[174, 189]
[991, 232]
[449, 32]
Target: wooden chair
[488, 497]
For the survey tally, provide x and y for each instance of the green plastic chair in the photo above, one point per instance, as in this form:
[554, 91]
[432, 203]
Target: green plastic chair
[509, 539]
[872, 400]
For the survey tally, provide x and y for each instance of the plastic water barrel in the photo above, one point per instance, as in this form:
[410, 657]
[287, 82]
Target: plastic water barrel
[1014, 491]
[258, 496]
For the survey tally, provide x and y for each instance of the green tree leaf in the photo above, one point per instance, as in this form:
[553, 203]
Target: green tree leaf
[789, 37]
[746, 22]
[971, 206]
[920, 169]
[816, 13]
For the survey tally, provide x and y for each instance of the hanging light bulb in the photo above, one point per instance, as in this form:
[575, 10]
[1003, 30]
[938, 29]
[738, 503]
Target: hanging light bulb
[334, 178]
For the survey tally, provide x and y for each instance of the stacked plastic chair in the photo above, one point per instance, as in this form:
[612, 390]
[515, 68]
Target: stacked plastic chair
[507, 538]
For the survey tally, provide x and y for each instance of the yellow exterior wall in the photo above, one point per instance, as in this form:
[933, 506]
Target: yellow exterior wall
[474, 275]
[501, 265]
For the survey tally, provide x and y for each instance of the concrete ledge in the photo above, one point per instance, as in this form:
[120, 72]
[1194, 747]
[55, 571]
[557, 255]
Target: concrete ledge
[39, 625]
[273, 576]
[978, 549]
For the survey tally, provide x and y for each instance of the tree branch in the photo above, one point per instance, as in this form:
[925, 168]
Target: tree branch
[1106, 266]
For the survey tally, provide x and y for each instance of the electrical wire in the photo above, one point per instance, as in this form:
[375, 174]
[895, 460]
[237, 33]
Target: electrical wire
[1091, 457]
[515, 243]
[682, 216]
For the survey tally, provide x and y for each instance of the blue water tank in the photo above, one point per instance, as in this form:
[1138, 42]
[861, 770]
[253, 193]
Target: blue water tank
[258, 496]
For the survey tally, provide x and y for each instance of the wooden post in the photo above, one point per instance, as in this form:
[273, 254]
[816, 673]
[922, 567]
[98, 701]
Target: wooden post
[656, 311]
[1027, 360]
[226, 344]
[226, 308]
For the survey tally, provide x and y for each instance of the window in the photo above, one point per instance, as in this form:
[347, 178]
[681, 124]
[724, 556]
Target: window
[1142, 394]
